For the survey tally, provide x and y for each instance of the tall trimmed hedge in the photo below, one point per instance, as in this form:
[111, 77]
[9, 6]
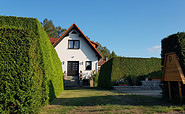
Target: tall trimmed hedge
[174, 43]
[136, 69]
[30, 70]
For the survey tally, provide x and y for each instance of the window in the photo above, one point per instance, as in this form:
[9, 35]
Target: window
[70, 44]
[88, 65]
[73, 44]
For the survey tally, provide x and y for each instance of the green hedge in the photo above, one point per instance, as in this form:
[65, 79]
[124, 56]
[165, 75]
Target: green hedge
[174, 43]
[132, 69]
[104, 78]
[30, 70]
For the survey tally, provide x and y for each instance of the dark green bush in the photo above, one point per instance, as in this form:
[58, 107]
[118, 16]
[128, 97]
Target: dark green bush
[174, 43]
[104, 79]
[131, 69]
[30, 70]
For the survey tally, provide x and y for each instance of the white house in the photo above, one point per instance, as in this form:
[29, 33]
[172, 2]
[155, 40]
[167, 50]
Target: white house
[78, 55]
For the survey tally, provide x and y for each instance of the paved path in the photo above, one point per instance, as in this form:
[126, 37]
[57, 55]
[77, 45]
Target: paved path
[153, 93]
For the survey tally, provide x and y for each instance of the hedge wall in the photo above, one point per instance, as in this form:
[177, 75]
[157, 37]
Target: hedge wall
[174, 43]
[133, 69]
[30, 70]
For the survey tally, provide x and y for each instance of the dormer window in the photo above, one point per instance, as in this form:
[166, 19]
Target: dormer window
[73, 44]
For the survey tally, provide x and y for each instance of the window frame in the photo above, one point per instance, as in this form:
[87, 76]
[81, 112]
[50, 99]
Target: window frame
[86, 65]
[73, 47]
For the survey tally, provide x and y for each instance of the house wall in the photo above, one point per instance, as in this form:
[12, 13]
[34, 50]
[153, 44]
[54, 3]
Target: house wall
[85, 53]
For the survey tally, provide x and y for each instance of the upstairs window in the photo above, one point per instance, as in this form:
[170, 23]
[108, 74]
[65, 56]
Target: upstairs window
[88, 65]
[73, 44]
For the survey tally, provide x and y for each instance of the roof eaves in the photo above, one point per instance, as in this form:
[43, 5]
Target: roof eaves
[100, 56]
[63, 35]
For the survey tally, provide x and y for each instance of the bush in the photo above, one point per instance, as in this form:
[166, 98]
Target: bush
[95, 80]
[131, 69]
[174, 43]
[30, 70]
[104, 79]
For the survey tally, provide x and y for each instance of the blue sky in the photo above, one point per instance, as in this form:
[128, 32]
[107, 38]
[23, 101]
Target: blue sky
[131, 28]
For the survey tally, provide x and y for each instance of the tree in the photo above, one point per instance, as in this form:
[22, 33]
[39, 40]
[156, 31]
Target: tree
[51, 30]
[104, 51]
[113, 54]
[59, 31]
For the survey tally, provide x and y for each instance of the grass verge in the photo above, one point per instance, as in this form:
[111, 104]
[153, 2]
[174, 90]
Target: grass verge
[84, 100]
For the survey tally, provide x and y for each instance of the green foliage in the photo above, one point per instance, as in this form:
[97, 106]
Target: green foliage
[52, 64]
[113, 54]
[104, 51]
[30, 70]
[131, 69]
[174, 43]
[51, 30]
[104, 79]
[59, 31]
[95, 80]
[21, 76]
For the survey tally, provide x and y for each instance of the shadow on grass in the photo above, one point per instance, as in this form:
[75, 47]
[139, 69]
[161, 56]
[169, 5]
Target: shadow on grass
[134, 100]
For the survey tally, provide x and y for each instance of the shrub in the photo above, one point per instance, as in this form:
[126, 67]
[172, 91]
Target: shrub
[174, 43]
[95, 80]
[30, 70]
[104, 79]
[131, 69]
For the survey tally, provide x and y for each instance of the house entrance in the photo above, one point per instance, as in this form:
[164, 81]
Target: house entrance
[73, 68]
[86, 82]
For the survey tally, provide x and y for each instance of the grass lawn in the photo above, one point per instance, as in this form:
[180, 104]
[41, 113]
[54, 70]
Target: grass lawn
[82, 101]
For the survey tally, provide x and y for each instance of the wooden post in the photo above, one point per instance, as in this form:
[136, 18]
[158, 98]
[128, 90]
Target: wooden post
[169, 88]
[180, 91]
[91, 83]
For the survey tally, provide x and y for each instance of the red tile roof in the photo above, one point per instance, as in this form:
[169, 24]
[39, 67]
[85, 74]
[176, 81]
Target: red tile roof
[53, 40]
[95, 44]
[102, 62]
[83, 36]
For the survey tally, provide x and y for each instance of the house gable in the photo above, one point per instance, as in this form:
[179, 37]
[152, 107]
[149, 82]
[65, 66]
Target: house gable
[74, 30]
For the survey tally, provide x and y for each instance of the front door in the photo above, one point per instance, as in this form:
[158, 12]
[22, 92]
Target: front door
[73, 68]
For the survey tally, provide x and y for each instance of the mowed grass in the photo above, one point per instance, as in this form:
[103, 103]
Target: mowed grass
[82, 101]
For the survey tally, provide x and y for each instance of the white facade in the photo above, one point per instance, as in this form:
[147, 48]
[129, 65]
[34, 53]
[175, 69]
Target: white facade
[83, 54]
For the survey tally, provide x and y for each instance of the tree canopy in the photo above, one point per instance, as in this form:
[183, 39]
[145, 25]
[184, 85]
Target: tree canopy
[113, 54]
[51, 30]
[106, 52]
